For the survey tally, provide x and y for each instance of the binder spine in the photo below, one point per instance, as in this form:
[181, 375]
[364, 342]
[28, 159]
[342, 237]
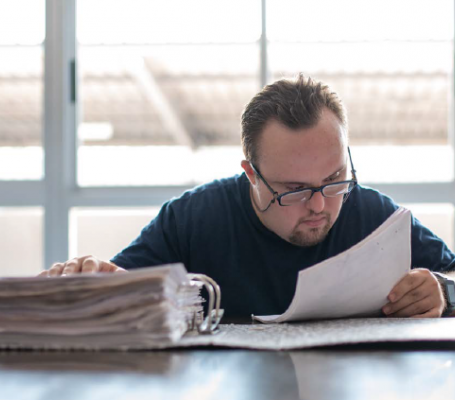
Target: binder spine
[210, 323]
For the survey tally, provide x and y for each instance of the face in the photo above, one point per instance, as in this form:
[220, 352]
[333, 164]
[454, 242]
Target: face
[291, 159]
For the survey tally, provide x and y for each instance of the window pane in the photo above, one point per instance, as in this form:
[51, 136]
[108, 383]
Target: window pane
[392, 69]
[103, 232]
[168, 85]
[22, 228]
[437, 217]
[21, 89]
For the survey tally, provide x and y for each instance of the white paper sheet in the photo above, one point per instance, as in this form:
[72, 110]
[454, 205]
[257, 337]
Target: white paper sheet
[357, 281]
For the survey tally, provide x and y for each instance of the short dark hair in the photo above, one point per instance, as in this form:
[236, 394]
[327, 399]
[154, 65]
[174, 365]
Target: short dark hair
[296, 103]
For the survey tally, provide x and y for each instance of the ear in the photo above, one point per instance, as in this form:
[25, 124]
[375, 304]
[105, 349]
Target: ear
[249, 172]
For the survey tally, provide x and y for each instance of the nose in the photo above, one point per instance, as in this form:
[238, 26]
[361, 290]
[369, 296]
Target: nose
[316, 203]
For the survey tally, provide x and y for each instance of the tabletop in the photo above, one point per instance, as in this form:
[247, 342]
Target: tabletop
[348, 372]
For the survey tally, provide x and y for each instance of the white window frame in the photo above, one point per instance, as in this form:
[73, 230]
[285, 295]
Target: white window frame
[58, 192]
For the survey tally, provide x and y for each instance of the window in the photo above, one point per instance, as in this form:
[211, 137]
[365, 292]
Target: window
[160, 89]
[21, 89]
[164, 81]
[21, 244]
[103, 232]
[392, 69]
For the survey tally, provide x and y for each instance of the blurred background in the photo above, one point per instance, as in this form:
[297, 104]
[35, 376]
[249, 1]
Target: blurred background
[110, 107]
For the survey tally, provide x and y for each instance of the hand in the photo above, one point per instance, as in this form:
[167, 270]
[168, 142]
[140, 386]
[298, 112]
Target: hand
[78, 265]
[417, 295]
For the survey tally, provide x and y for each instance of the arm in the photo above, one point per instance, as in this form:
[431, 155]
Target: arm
[157, 244]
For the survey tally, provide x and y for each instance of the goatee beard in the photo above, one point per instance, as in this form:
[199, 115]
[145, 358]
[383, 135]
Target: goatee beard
[312, 236]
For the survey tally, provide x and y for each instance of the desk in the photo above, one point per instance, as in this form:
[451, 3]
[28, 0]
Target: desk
[359, 372]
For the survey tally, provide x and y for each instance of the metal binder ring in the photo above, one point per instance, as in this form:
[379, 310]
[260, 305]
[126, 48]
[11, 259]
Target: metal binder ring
[213, 318]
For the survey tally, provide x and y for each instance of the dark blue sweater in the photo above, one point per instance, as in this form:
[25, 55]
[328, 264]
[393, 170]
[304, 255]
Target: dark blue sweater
[213, 229]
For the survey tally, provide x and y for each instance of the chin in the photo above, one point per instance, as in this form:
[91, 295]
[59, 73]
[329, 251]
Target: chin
[310, 238]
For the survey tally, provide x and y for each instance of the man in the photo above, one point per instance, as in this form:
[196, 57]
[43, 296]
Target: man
[297, 204]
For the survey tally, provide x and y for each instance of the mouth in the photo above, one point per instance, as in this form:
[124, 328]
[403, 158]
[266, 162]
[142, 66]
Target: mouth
[314, 222]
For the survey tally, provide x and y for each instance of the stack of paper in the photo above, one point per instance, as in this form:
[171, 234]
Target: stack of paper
[98, 311]
[356, 282]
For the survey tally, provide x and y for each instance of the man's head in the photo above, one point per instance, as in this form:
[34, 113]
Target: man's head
[296, 103]
[295, 133]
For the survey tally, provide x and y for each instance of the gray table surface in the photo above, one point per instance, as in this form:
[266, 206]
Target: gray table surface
[356, 372]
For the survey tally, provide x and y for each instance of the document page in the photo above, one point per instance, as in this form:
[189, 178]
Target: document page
[356, 282]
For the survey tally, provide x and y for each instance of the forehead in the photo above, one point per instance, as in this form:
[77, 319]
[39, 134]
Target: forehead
[312, 154]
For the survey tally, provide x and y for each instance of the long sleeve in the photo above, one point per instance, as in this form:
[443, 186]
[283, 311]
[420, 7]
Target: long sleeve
[157, 243]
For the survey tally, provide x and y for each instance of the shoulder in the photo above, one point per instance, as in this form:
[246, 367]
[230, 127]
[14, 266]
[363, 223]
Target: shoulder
[224, 184]
[365, 210]
[210, 194]
[366, 199]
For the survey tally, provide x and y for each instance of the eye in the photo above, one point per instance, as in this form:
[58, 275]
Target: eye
[293, 189]
[335, 177]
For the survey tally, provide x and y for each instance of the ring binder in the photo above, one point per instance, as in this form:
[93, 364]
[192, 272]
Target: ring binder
[210, 324]
[150, 307]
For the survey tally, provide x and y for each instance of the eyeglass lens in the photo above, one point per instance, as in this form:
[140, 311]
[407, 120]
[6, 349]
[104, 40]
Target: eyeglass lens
[332, 190]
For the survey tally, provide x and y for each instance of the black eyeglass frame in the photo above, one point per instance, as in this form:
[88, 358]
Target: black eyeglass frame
[278, 197]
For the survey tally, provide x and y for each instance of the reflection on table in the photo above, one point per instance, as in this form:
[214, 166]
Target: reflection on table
[341, 373]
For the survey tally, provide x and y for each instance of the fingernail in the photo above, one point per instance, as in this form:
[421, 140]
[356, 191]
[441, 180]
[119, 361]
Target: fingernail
[386, 310]
[392, 297]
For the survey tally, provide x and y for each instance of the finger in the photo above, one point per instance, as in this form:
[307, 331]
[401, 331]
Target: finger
[90, 265]
[415, 308]
[56, 269]
[433, 313]
[72, 267]
[110, 267]
[43, 273]
[409, 282]
[411, 297]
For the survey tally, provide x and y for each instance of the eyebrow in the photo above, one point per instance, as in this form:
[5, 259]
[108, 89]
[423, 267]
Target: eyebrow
[338, 171]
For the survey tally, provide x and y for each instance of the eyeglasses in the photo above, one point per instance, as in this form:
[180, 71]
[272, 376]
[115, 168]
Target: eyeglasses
[300, 196]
